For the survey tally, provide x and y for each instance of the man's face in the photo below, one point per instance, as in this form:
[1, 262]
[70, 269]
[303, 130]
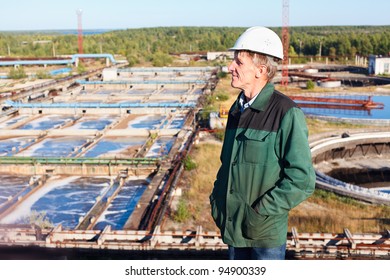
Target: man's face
[243, 71]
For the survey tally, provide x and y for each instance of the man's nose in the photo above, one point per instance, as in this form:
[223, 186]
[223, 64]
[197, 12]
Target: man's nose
[231, 66]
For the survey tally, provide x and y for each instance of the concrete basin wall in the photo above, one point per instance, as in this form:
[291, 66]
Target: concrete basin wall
[98, 111]
[74, 169]
[370, 144]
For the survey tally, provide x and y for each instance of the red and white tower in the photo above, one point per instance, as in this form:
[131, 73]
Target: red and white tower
[286, 42]
[79, 13]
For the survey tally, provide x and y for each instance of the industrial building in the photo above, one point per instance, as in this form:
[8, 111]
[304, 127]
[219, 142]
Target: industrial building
[378, 65]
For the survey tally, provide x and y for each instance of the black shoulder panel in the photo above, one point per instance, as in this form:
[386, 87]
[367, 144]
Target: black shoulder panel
[267, 120]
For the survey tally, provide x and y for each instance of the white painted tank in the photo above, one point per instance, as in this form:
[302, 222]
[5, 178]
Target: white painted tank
[329, 84]
[311, 71]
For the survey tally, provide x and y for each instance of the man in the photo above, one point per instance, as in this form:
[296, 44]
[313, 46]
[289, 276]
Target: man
[266, 162]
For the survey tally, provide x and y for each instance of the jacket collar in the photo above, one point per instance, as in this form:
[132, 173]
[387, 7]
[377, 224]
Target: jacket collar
[261, 100]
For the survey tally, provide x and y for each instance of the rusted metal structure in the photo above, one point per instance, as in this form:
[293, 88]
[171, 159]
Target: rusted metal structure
[79, 13]
[345, 245]
[286, 42]
[338, 103]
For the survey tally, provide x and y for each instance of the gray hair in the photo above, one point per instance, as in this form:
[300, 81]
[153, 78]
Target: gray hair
[269, 61]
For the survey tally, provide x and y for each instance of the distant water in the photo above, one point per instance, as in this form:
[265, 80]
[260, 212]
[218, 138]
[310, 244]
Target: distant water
[85, 32]
[359, 114]
[64, 31]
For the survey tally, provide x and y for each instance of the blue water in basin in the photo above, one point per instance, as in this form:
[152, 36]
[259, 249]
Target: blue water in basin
[10, 185]
[114, 146]
[66, 203]
[122, 206]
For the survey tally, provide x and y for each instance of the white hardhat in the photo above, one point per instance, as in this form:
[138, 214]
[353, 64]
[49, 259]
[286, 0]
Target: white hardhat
[260, 39]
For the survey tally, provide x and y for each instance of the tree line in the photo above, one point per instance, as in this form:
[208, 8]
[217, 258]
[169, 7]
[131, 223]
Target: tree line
[149, 44]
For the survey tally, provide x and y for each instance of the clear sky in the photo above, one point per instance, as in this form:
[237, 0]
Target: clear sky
[122, 14]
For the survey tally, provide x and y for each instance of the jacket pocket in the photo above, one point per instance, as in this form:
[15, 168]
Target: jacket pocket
[257, 227]
[256, 147]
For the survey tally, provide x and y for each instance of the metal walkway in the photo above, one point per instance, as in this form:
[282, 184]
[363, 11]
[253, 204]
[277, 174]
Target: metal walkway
[345, 245]
[74, 58]
[100, 105]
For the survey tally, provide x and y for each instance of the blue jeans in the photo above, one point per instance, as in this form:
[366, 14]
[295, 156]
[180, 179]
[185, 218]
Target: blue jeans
[276, 253]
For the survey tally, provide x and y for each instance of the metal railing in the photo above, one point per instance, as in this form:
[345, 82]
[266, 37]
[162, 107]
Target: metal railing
[299, 245]
[101, 105]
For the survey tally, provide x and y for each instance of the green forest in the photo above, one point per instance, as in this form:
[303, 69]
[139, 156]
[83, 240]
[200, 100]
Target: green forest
[148, 44]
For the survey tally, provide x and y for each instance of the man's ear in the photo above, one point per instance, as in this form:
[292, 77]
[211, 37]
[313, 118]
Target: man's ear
[260, 71]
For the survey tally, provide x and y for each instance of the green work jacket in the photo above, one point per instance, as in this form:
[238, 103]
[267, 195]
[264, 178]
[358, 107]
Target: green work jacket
[266, 170]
